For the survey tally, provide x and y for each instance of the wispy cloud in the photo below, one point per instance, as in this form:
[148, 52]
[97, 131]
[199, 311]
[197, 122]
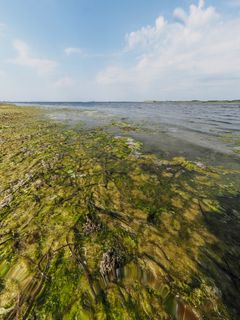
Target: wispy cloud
[174, 59]
[72, 50]
[24, 58]
[64, 82]
[89, 55]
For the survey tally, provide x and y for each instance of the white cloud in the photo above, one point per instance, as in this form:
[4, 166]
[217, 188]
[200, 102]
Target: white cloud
[24, 58]
[64, 82]
[145, 35]
[197, 55]
[72, 50]
[198, 16]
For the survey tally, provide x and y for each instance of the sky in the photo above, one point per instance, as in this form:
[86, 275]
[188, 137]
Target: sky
[119, 50]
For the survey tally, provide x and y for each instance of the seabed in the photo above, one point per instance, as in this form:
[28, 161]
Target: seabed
[91, 227]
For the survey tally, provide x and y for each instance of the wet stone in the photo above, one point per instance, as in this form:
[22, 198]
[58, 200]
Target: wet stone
[90, 226]
[110, 265]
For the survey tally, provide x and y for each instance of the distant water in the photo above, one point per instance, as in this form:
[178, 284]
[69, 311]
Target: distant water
[199, 123]
[197, 116]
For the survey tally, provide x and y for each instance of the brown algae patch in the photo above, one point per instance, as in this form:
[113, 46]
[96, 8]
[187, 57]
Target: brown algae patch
[91, 228]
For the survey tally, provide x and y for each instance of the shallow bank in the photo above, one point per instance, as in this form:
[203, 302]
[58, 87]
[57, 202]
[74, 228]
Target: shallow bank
[93, 228]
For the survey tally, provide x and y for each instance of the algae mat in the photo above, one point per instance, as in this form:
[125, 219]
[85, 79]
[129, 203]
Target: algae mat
[92, 228]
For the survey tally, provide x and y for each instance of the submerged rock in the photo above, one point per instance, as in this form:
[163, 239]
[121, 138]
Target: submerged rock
[90, 226]
[6, 201]
[110, 265]
[200, 165]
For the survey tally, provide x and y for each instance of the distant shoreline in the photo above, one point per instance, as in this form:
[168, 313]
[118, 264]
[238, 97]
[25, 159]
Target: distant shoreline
[131, 101]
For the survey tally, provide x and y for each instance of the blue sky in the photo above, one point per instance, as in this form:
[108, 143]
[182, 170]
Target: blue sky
[119, 50]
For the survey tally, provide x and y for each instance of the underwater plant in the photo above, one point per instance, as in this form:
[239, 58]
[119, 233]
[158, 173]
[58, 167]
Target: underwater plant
[93, 228]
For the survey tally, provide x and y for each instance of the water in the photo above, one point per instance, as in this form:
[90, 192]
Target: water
[212, 118]
[191, 129]
[170, 228]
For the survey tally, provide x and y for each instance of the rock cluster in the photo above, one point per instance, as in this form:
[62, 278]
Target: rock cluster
[110, 265]
[90, 226]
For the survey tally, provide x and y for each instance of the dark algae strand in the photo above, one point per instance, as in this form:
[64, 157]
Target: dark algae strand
[91, 227]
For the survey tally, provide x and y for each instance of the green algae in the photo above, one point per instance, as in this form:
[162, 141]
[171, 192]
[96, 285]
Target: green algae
[126, 126]
[91, 228]
[233, 139]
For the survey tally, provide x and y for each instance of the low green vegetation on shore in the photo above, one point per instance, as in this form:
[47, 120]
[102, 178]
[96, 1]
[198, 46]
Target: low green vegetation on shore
[92, 228]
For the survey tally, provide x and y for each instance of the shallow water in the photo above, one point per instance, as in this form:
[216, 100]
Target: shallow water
[204, 117]
[197, 130]
[95, 226]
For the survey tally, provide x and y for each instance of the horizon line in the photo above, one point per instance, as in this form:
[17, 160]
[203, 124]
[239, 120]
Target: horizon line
[118, 101]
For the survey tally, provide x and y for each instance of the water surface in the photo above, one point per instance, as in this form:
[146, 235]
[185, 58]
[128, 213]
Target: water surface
[192, 129]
